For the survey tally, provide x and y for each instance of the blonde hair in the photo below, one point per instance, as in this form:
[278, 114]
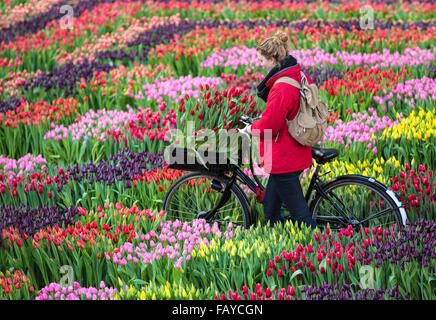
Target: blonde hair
[276, 46]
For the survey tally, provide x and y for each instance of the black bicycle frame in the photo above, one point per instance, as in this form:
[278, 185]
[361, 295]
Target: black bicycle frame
[315, 184]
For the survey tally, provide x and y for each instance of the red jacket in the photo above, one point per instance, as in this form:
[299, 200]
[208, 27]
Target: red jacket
[284, 154]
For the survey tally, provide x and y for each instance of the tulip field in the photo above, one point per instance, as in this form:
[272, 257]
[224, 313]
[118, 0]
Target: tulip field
[89, 90]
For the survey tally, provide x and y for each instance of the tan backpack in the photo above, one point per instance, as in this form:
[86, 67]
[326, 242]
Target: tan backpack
[310, 123]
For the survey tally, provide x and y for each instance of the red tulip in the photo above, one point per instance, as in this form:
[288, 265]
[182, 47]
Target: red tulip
[309, 248]
[319, 257]
[367, 242]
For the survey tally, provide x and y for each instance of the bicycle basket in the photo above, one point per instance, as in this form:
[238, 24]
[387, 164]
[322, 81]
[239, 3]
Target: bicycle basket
[204, 160]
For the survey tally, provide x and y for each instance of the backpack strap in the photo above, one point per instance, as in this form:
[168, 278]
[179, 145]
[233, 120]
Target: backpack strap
[290, 81]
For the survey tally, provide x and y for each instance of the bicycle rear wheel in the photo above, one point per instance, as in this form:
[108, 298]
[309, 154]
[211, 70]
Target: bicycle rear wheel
[196, 193]
[364, 201]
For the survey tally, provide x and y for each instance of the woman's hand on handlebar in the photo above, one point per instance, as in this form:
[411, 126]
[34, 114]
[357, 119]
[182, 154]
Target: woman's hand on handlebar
[247, 120]
[246, 130]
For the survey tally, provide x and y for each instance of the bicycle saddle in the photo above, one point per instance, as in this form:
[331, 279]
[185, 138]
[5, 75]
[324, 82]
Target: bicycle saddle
[324, 155]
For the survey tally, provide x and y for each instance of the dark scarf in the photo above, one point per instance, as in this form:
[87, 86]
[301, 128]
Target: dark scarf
[262, 89]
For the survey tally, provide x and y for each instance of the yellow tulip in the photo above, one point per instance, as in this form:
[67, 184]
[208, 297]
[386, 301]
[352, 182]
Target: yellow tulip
[233, 252]
[131, 291]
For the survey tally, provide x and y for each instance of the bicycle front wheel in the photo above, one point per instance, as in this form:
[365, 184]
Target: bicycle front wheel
[195, 194]
[362, 201]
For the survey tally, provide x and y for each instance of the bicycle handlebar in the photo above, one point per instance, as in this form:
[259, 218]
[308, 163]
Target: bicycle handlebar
[247, 120]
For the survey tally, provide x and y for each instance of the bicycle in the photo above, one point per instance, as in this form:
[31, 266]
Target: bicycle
[213, 193]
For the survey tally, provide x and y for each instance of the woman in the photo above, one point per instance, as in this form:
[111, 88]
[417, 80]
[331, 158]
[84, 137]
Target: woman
[285, 158]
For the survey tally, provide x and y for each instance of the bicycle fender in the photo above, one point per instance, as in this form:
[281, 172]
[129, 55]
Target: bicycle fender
[359, 177]
[399, 204]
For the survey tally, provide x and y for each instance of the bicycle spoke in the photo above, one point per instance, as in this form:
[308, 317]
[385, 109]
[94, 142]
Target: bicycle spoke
[375, 216]
[179, 204]
[185, 212]
[221, 209]
[189, 197]
[227, 210]
[343, 205]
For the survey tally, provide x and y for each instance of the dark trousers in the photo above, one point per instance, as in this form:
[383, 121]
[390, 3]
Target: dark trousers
[285, 188]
